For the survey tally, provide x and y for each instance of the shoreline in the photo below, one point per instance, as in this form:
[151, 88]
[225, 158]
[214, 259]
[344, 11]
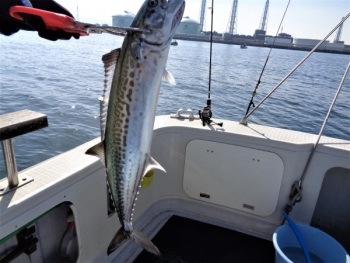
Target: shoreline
[249, 43]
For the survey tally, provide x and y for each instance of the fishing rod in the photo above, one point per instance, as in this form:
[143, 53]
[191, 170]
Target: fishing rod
[205, 114]
[251, 103]
[244, 119]
[295, 195]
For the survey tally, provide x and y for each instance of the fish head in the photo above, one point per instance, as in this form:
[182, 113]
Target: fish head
[161, 18]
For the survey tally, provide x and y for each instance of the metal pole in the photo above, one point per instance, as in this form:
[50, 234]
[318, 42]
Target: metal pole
[10, 163]
[291, 72]
[324, 125]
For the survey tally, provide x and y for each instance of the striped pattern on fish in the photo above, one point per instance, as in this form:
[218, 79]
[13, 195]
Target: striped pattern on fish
[127, 123]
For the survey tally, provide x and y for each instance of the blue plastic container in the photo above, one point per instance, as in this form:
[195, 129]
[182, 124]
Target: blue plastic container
[322, 247]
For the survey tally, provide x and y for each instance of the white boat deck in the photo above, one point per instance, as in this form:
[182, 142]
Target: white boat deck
[79, 179]
[254, 130]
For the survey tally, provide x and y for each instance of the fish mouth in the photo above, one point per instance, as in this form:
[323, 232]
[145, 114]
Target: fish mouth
[178, 16]
[152, 43]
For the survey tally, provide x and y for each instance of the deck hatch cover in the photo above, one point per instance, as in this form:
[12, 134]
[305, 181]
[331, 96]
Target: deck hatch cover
[233, 176]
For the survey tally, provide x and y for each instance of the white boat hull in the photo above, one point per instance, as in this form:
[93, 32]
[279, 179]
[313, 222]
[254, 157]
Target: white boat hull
[78, 179]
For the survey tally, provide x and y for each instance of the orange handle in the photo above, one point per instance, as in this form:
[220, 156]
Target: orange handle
[53, 21]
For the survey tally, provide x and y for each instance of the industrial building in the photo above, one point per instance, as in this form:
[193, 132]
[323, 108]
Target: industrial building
[188, 26]
[282, 39]
[232, 23]
[259, 34]
[124, 19]
[308, 43]
[195, 29]
[337, 43]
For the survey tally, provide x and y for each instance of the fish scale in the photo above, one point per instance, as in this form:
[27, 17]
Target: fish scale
[122, 112]
[127, 123]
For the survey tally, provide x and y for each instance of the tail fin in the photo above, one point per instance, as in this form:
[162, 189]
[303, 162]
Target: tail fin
[137, 237]
[140, 239]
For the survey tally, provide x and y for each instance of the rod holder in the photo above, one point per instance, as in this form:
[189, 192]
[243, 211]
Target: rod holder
[243, 121]
[11, 125]
[13, 180]
[10, 163]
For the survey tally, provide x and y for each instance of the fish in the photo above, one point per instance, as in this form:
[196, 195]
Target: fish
[133, 76]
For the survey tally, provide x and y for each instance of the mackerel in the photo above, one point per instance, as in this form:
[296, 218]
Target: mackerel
[133, 76]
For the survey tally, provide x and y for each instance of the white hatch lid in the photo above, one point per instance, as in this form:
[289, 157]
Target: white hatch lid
[233, 176]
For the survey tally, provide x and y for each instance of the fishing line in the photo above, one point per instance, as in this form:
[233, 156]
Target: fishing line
[211, 48]
[296, 191]
[267, 59]
[206, 113]
[244, 119]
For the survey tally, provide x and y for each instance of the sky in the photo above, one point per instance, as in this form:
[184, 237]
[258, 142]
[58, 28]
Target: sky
[312, 19]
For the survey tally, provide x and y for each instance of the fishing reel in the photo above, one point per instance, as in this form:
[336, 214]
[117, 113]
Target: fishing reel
[205, 115]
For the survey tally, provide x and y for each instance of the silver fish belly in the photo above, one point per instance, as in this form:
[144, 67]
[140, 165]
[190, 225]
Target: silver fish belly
[130, 126]
[127, 125]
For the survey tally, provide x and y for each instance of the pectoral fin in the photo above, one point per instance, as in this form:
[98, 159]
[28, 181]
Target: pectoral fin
[153, 165]
[98, 151]
[168, 77]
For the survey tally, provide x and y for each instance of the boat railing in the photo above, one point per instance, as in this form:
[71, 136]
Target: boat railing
[12, 125]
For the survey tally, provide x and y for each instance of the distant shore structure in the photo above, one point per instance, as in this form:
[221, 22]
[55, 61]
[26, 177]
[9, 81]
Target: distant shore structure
[123, 19]
[191, 29]
[189, 26]
[281, 39]
[202, 15]
[232, 23]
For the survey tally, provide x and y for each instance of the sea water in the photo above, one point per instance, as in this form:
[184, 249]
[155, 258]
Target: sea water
[63, 79]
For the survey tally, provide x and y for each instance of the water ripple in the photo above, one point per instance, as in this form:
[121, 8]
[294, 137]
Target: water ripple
[63, 80]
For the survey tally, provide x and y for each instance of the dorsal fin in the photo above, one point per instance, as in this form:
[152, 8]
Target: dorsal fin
[109, 61]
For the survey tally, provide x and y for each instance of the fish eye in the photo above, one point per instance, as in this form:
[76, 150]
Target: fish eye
[152, 3]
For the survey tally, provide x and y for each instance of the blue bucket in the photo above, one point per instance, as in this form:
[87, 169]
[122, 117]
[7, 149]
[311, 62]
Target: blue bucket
[322, 247]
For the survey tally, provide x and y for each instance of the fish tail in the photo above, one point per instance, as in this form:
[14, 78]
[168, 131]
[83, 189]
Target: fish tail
[143, 241]
[137, 237]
